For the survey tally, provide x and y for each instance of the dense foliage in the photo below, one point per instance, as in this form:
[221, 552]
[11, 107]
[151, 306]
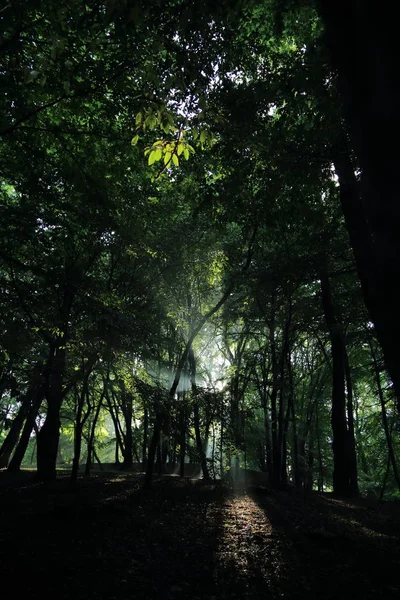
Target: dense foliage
[180, 248]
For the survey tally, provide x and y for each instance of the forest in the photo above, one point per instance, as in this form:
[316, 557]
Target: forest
[199, 252]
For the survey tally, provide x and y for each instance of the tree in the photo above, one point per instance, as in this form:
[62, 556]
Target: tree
[361, 46]
[176, 178]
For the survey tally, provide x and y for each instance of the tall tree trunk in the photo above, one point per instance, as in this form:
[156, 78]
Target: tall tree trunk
[160, 454]
[116, 455]
[309, 479]
[320, 461]
[12, 436]
[118, 437]
[385, 422]
[90, 443]
[196, 415]
[262, 388]
[362, 42]
[155, 439]
[128, 437]
[80, 421]
[295, 445]
[182, 434]
[145, 437]
[340, 434]
[276, 450]
[353, 470]
[18, 456]
[49, 435]
[199, 442]
[221, 445]
[284, 415]
[27, 402]
[235, 422]
[268, 443]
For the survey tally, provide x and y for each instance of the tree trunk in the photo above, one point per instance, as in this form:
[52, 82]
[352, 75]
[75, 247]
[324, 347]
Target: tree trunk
[78, 430]
[128, 437]
[320, 461]
[262, 388]
[221, 446]
[363, 49]
[213, 458]
[182, 433]
[116, 455]
[118, 437]
[340, 433]
[268, 443]
[295, 449]
[11, 439]
[196, 415]
[385, 422]
[145, 437]
[353, 470]
[309, 479]
[15, 463]
[276, 451]
[27, 402]
[284, 415]
[49, 435]
[154, 442]
[90, 442]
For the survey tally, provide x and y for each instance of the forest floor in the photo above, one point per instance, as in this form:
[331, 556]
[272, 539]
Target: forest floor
[187, 539]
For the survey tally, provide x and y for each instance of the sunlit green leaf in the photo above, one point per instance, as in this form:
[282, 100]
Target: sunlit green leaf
[152, 157]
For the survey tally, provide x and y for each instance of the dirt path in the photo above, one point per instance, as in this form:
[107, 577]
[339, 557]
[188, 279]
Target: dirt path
[248, 560]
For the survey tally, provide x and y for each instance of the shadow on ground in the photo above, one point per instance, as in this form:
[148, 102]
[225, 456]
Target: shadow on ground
[187, 539]
[111, 539]
[332, 548]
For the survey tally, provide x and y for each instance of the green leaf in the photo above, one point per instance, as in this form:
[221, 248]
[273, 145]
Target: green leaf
[175, 160]
[151, 121]
[203, 136]
[152, 157]
[180, 149]
[167, 157]
[135, 140]
[139, 118]
[186, 153]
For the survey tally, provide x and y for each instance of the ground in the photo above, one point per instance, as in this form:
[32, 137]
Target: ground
[187, 539]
